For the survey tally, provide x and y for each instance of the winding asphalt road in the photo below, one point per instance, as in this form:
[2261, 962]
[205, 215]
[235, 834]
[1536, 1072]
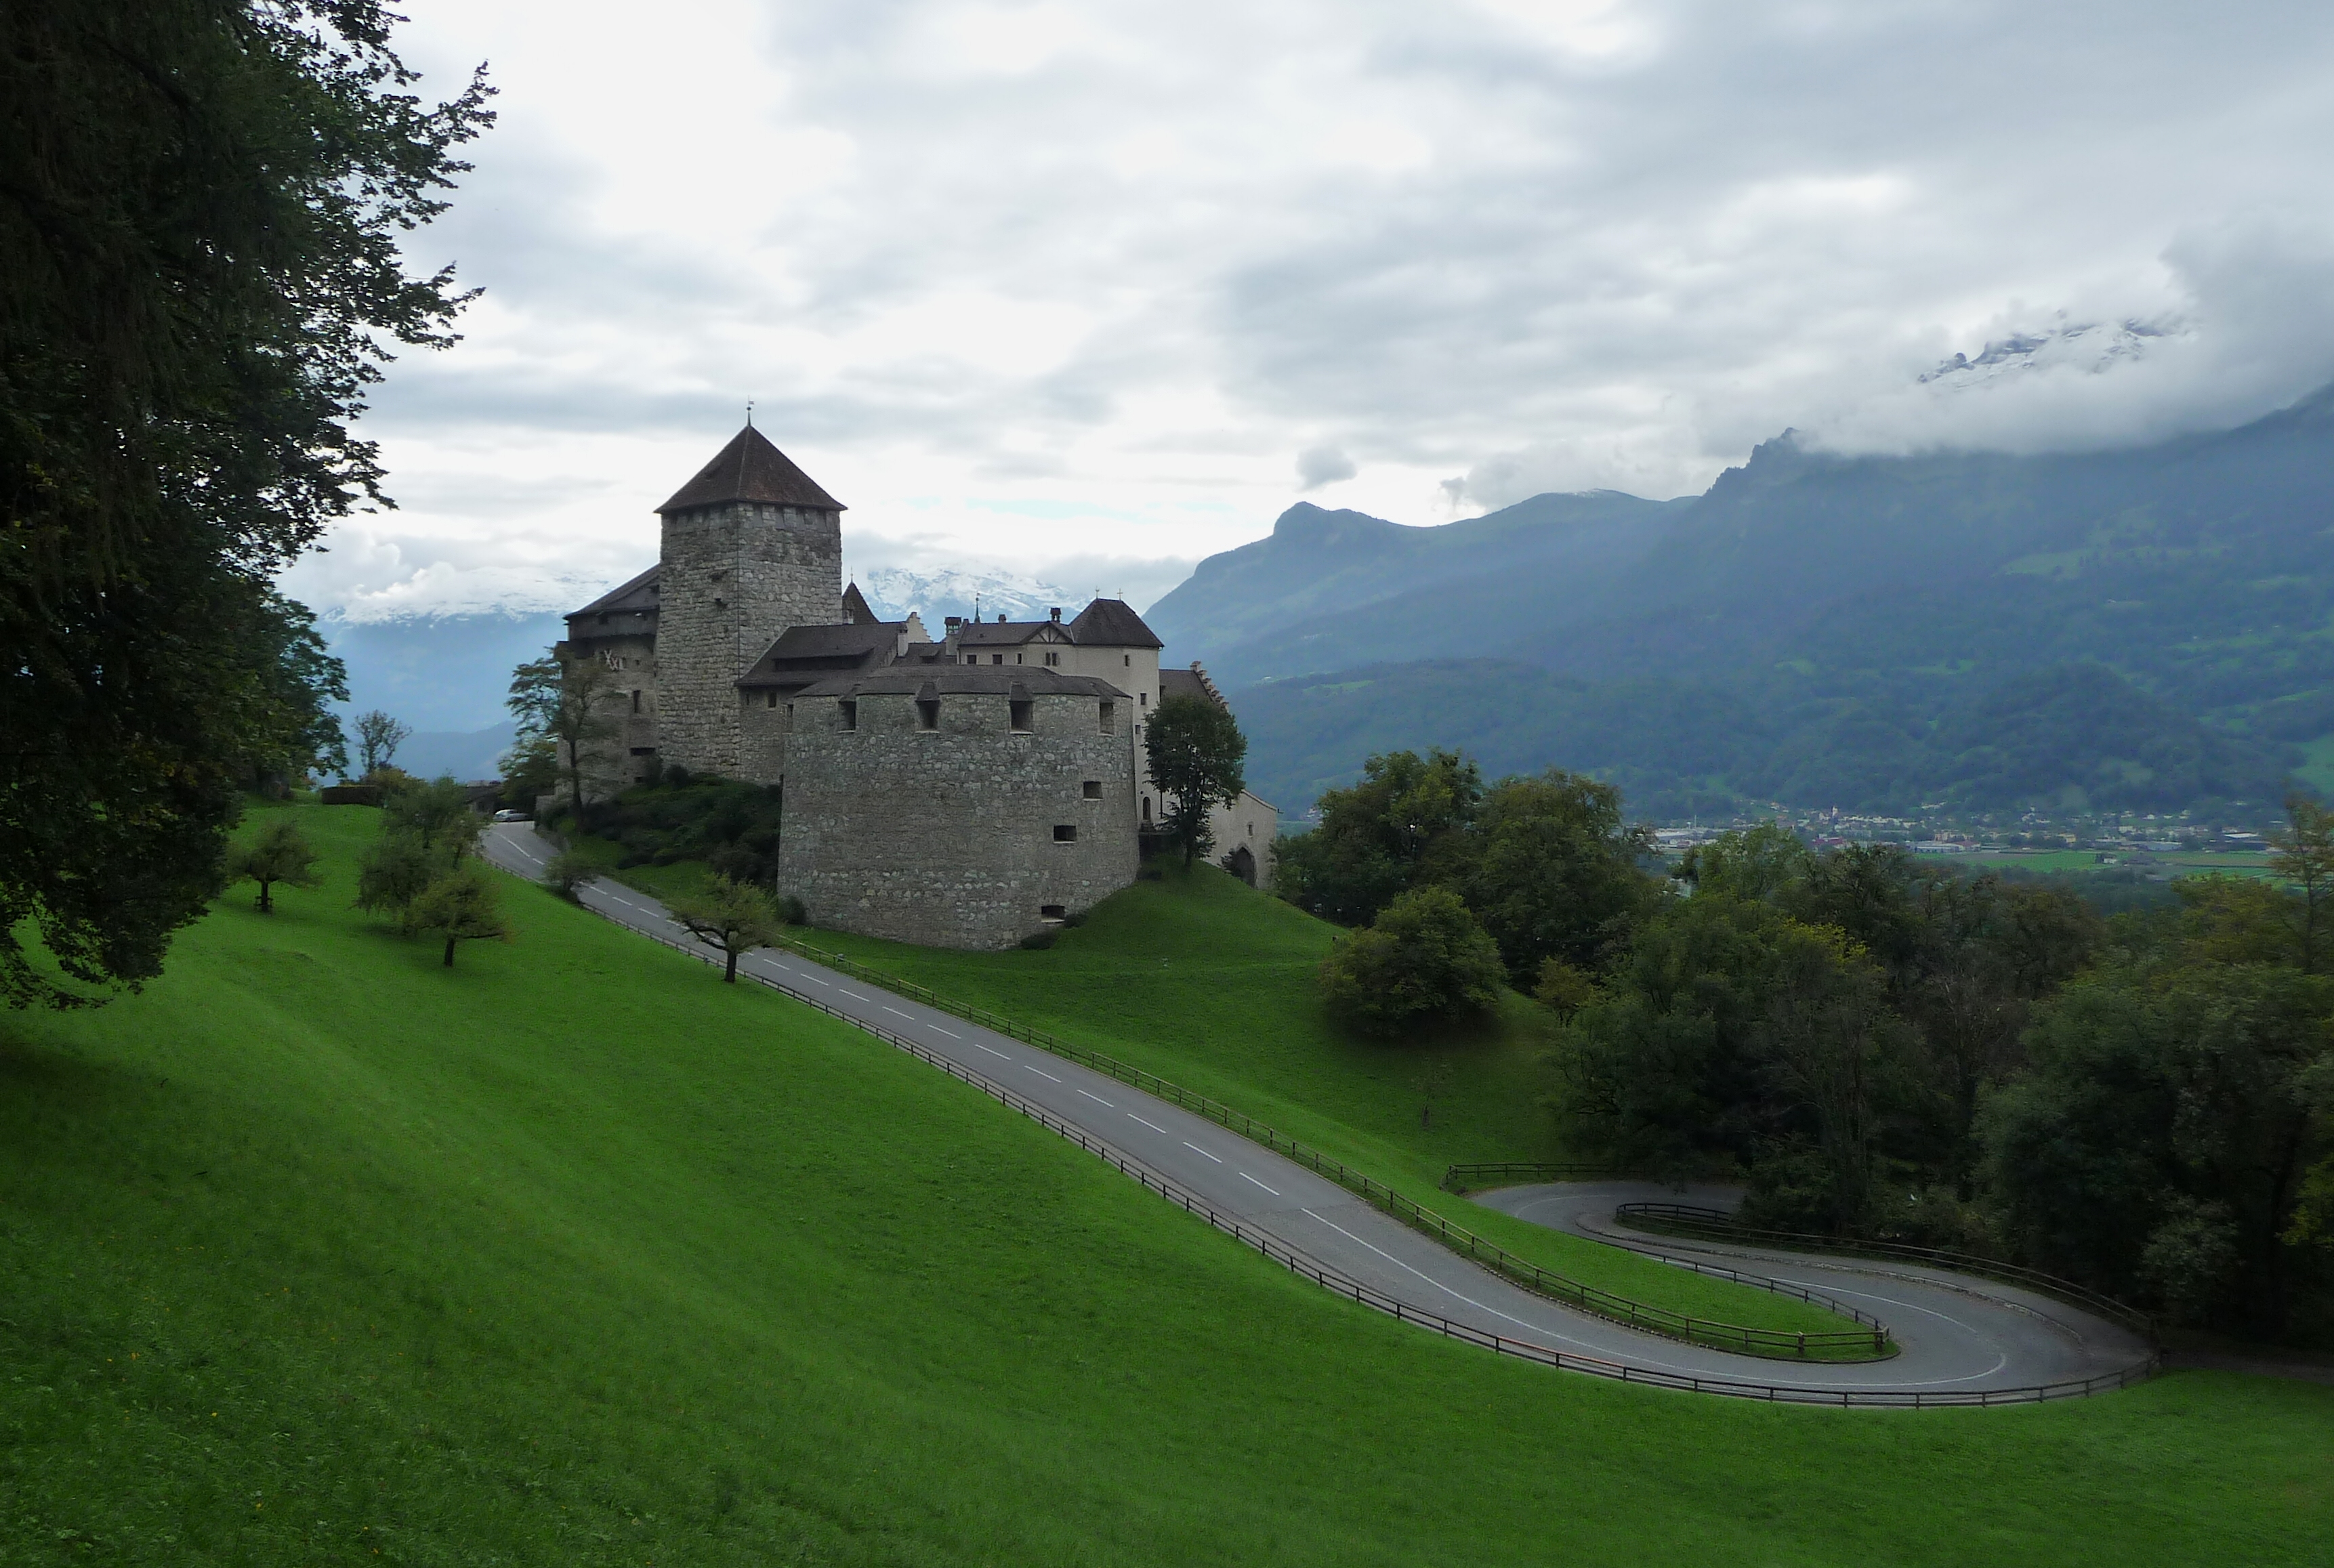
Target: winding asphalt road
[1965, 1337]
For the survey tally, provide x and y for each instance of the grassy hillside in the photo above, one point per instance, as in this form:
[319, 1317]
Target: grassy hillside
[317, 1253]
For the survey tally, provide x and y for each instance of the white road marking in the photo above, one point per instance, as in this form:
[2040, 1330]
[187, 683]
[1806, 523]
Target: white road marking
[937, 1030]
[1152, 1125]
[894, 1012]
[814, 979]
[1246, 1176]
[1098, 1099]
[1040, 1072]
[1197, 1149]
[857, 997]
[979, 1046]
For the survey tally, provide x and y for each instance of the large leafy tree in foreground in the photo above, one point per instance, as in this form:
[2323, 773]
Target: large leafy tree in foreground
[200, 204]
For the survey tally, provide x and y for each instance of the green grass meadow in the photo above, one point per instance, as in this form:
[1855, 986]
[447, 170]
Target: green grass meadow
[316, 1252]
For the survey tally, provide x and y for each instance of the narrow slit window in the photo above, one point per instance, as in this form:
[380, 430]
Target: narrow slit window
[770, 697]
[1109, 718]
[850, 711]
[636, 700]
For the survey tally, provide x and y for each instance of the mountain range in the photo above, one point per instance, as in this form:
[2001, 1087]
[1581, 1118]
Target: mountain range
[2141, 629]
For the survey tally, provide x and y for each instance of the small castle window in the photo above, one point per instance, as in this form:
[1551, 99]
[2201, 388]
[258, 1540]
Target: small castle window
[1016, 658]
[1019, 715]
[850, 711]
[1091, 789]
[790, 715]
[636, 700]
[994, 658]
[1066, 833]
[1109, 718]
[770, 697]
[1143, 698]
[1053, 659]
[1052, 911]
[1130, 661]
[928, 713]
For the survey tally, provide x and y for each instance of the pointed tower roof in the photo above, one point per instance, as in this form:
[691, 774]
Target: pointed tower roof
[750, 469]
[855, 610]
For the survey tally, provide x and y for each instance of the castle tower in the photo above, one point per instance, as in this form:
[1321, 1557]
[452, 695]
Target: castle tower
[752, 546]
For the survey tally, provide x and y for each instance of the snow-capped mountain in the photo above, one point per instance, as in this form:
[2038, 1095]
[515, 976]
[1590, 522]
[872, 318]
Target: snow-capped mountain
[894, 591]
[2093, 346]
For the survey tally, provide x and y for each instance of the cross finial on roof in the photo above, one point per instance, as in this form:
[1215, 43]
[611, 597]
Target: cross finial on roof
[749, 413]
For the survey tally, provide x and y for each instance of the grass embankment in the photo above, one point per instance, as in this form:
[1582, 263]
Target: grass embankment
[316, 1252]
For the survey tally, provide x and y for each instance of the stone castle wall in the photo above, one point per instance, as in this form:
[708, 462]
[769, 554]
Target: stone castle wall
[946, 837]
[733, 578]
[618, 758]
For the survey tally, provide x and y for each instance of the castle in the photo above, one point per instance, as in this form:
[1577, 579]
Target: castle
[963, 793]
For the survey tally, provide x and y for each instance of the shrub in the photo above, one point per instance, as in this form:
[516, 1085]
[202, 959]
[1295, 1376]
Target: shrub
[568, 871]
[1425, 957]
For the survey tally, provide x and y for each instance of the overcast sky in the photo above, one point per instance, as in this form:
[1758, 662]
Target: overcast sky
[1093, 290]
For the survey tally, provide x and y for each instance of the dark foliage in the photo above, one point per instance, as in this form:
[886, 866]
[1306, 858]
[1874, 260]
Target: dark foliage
[732, 826]
[200, 209]
[1425, 959]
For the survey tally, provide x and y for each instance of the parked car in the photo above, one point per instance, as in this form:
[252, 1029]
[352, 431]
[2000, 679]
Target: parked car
[512, 816]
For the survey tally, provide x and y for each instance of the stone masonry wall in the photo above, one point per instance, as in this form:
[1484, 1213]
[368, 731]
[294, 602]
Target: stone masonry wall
[762, 735]
[946, 837]
[733, 578]
[620, 758]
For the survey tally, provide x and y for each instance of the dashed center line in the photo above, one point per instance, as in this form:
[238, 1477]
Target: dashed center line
[1040, 1072]
[1246, 1176]
[1197, 1149]
[814, 979]
[937, 1030]
[979, 1046]
[1152, 1125]
[857, 997]
[896, 1013]
[1098, 1099]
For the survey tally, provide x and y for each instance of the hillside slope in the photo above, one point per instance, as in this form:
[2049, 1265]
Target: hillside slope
[317, 1252]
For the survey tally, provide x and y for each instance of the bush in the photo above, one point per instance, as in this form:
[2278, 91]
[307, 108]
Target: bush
[568, 871]
[1425, 957]
[791, 911]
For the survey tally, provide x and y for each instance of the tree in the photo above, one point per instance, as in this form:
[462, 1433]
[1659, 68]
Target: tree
[568, 871]
[1555, 871]
[438, 813]
[734, 917]
[462, 906]
[557, 700]
[2305, 858]
[378, 737]
[394, 871]
[1405, 824]
[1424, 958]
[202, 209]
[279, 853]
[530, 771]
[1195, 753]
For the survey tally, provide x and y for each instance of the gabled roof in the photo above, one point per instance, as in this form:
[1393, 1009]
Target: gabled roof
[750, 469]
[854, 606]
[807, 653]
[1191, 682]
[639, 594]
[1009, 633]
[1112, 623]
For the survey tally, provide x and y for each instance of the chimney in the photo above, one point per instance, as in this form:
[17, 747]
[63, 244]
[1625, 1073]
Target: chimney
[1057, 615]
[1000, 618]
[954, 621]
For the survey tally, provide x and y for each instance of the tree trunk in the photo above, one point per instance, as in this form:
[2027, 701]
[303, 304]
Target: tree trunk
[266, 904]
[731, 977]
[450, 952]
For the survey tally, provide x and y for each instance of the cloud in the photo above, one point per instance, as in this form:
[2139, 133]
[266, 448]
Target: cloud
[1319, 465]
[1027, 282]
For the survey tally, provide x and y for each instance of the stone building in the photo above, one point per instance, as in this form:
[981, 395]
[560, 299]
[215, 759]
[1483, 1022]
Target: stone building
[963, 791]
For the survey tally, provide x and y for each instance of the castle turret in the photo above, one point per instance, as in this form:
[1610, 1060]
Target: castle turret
[752, 546]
